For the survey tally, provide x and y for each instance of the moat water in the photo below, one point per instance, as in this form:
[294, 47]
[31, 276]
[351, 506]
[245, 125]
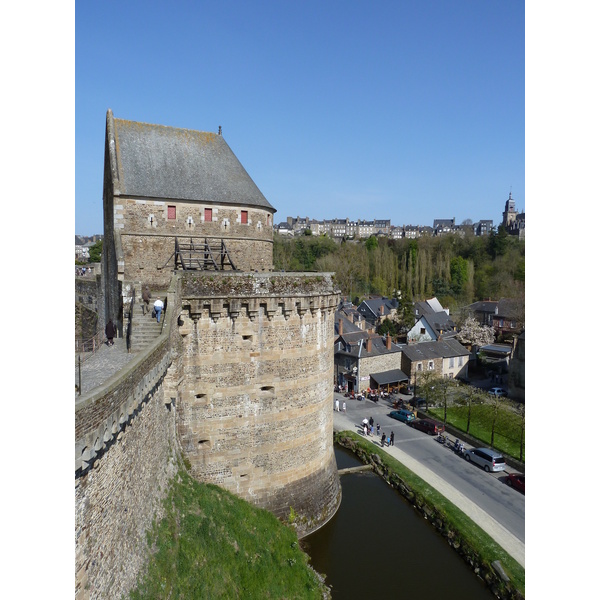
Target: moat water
[378, 546]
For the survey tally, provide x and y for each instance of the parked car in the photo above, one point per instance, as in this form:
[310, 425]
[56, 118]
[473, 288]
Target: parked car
[516, 480]
[403, 415]
[418, 402]
[496, 391]
[407, 389]
[427, 425]
[487, 458]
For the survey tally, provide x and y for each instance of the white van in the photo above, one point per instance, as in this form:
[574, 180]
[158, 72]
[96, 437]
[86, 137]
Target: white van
[487, 458]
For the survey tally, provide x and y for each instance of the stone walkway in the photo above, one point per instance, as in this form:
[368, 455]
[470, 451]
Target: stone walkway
[101, 366]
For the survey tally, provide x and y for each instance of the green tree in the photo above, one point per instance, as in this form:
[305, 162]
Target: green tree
[96, 252]
[371, 243]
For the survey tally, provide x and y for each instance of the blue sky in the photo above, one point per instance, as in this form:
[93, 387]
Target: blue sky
[407, 110]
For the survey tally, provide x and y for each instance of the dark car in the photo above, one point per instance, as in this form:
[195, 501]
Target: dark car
[403, 415]
[427, 425]
[409, 390]
[516, 480]
[418, 402]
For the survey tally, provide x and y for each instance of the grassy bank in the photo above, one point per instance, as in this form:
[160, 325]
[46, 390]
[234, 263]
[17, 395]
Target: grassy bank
[211, 544]
[476, 546]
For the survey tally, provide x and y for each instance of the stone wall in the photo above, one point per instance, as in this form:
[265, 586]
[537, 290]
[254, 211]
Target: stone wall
[378, 364]
[147, 235]
[256, 389]
[125, 455]
[88, 291]
[149, 259]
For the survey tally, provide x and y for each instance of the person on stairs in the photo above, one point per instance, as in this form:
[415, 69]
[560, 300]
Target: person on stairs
[158, 306]
[146, 298]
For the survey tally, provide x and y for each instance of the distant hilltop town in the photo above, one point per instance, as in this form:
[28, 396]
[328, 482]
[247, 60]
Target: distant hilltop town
[512, 221]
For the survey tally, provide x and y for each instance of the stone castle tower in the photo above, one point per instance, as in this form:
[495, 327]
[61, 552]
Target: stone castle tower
[251, 377]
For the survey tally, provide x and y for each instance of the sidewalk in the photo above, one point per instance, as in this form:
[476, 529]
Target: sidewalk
[516, 548]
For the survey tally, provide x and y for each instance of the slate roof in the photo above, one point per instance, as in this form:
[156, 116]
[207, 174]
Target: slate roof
[506, 307]
[439, 321]
[155, 161]
[372, 306]
[354, 340]
[444, 348]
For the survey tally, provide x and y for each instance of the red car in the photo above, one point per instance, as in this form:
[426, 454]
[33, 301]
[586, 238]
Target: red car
[516, 480]
[427, 425]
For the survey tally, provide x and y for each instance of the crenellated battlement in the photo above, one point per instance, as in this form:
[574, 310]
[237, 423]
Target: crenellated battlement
[231, 295]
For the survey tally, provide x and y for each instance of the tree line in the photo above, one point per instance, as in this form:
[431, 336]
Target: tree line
[458, 270]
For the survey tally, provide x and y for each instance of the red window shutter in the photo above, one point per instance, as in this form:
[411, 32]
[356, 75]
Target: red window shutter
[207, 215]
[171, 213]
[244, 216]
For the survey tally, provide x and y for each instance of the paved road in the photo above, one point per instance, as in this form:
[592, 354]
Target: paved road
[495, 507]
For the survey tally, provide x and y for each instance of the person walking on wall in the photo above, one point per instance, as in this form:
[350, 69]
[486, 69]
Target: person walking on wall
[110, 331]
[146, 298]
[158, 306]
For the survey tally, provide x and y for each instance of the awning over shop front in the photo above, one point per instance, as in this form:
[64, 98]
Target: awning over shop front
[389, 377]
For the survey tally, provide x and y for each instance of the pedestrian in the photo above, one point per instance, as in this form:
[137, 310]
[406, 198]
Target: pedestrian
[146, 298]
[337, 405]
[378, 429]
[392, 438]
[388, 440]
[371, 430]
[344, 406]
[365, 430]
[382, 440]
[158, 306]
[110, 331]
[371, 421]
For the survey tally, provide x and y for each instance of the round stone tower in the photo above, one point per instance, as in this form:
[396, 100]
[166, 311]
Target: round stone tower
[254, 405]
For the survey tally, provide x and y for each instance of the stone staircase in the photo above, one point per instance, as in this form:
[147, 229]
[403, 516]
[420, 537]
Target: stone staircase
[145, 328]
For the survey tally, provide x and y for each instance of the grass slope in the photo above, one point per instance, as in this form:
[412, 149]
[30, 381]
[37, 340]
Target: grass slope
[211, 544]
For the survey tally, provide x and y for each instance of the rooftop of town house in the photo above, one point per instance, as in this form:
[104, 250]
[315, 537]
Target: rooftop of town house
[442, 348]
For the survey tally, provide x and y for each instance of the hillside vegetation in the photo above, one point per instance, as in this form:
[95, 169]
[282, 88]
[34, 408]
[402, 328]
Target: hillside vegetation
[458, 270]
[211, 544]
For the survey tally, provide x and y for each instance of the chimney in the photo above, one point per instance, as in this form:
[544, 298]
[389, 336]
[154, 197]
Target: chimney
[388, 342]
[381, 310]
[341, 327]
[369, 344]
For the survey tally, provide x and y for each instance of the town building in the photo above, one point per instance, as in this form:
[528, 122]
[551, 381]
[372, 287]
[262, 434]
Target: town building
[445, 357]
[362, 359]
